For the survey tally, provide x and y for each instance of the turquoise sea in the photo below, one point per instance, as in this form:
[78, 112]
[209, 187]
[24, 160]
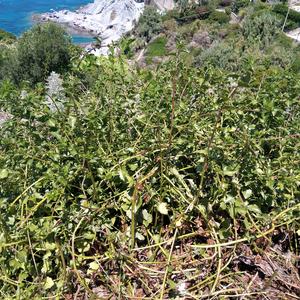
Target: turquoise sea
[15, 15]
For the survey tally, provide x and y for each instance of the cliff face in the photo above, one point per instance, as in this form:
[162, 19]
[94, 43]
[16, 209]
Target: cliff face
[163, 4]
[294, 34]
[109, 19]
[121, 7]
[295, 5]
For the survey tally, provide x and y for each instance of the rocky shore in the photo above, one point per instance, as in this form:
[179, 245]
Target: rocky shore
[106, 19]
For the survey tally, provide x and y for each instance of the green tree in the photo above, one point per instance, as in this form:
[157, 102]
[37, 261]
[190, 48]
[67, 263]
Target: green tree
[150, 23]
[41, 50]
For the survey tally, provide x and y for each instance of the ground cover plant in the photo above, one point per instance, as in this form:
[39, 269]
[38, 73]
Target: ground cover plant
[6, 36]
[176, 182]
[179, 179]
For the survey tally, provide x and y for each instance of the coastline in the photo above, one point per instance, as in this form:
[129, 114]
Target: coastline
[106, 19]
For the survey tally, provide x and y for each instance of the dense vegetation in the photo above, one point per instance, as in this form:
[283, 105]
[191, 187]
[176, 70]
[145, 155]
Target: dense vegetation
[180, 179]
[254, 38]
[6, 37]
[39, 51]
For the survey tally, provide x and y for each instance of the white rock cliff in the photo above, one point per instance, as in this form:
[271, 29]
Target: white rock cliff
[108, 19]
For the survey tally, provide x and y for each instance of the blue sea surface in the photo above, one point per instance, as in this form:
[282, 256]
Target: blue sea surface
[16, 15]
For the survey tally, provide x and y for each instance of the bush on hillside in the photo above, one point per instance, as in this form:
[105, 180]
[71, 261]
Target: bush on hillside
[220, 17]
[182, 5]
[285, 41]
[6, 36]
[193, 13]
[220, 55]
[295, 67]
[261, 28]
[8, 63]
[293, 20]
[238, 4]
[173, 14]
[39, 51]
[150, 24]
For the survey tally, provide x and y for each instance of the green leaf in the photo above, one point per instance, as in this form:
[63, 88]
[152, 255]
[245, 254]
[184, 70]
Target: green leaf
[254, 208]
[241, 210]
[228, 172]
[162, 208]
[147, 218]
[247, 194]
[172, 284]
[72, 121]
[3, 173]
[51, 123]
[49, 283]
[94, 266]
[139, 236]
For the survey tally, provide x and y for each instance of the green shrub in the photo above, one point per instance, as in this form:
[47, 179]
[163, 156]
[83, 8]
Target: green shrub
[6, 36]
[149, 24]
[261, 28]
[233, 30]
[87, 195]
[9, 65]
[278, 56]
[285, 41]
[126, 46]
[171, 15]
[282, 9]
[220, 17]
[193, 13]
[296, 64]
[228, 11]
[39, 51]
[238, 4]
[183, 5]
[220, 55]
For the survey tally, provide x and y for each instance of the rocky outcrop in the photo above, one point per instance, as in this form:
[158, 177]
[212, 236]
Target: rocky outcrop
[294, 34]
[163, 4]
[107, 19]
[295, 5]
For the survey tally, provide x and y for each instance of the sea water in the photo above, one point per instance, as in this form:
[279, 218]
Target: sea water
[16, 15]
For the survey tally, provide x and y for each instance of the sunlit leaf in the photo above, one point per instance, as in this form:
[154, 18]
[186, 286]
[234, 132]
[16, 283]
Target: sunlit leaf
[3, 173]
[247, 194]
[163, 208]
[49, 283]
